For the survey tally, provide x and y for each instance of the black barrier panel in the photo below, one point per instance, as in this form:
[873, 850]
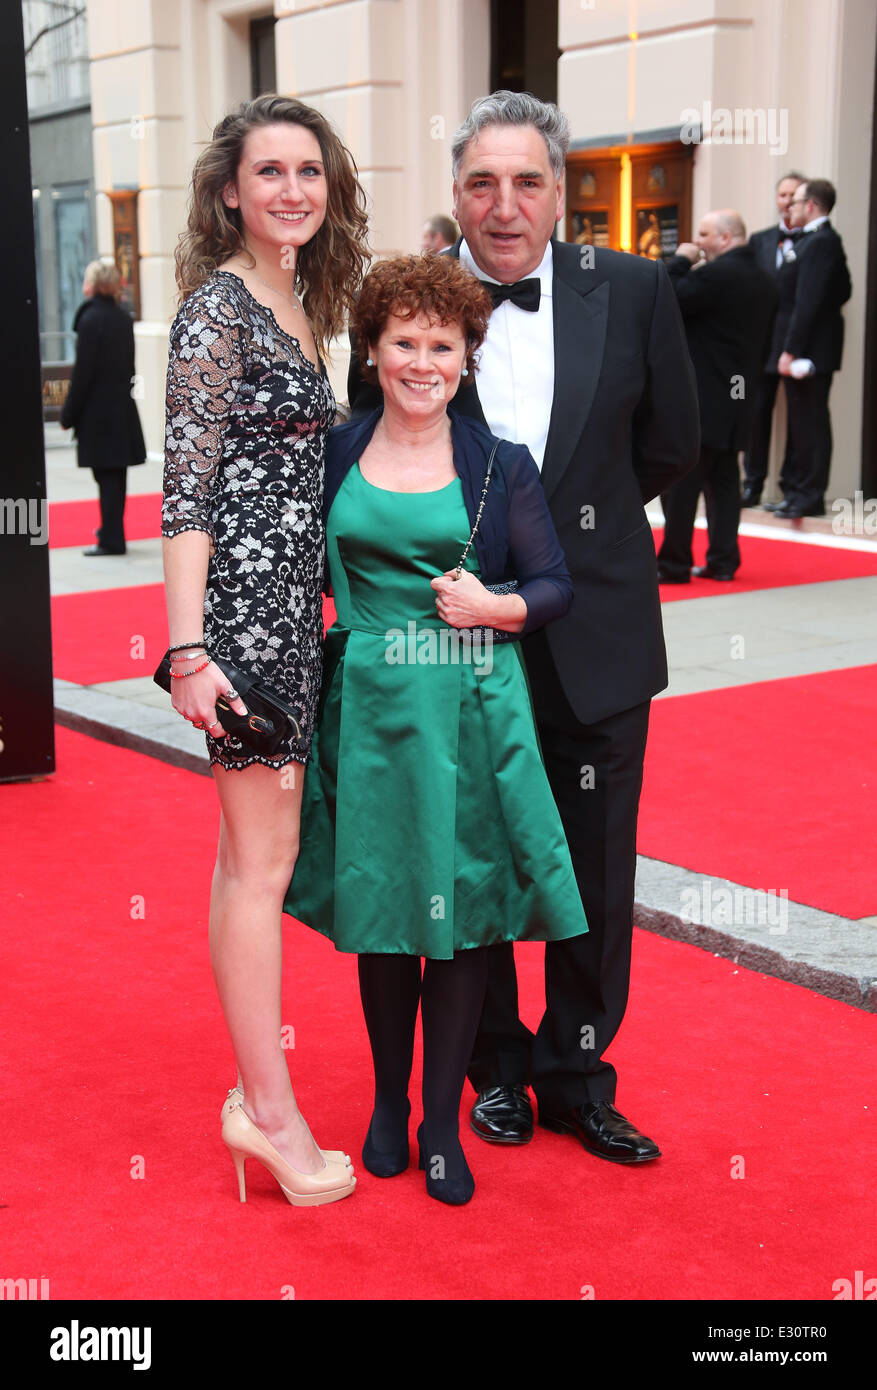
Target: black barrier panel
[27, 739]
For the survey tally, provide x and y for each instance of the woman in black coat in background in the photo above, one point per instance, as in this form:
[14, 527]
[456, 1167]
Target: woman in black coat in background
[99, 405]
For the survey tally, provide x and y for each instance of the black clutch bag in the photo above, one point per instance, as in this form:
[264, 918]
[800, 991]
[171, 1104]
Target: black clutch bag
[270, 726]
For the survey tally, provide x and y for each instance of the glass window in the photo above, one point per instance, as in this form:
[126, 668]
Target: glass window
[73, 249]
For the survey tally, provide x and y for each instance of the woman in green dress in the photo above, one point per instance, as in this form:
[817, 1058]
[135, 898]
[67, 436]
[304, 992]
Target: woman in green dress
[428, 827]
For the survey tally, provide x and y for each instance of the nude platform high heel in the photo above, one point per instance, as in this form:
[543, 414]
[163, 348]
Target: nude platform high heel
[236, 1094]
[245, 1140]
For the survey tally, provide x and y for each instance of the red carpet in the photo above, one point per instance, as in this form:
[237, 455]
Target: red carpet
[769, 564]
[109, 634]
[96, 635]
[74, 523]
[116, 1056]
[114, 634]
[795, 810]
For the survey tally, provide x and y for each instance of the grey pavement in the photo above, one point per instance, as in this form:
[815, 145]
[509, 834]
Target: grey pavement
[761, 931]
[713, 643]
[765, 634]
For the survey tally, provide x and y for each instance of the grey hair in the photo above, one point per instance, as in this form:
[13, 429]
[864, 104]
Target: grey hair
[515, 108]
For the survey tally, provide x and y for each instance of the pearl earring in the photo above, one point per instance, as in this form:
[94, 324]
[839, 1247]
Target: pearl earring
[369, 362]
[465, 371]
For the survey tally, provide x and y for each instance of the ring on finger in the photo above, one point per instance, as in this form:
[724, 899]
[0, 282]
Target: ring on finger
[231, 694]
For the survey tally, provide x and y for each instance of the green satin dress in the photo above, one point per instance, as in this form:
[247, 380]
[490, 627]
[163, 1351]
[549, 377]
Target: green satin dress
[428, 825]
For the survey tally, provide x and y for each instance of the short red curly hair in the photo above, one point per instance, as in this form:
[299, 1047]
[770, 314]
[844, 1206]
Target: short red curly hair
[437, 286]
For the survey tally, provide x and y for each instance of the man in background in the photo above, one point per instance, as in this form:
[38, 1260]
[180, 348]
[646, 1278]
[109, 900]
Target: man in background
[439, 233]
[727, 305]
[812, 346]
[771, 247]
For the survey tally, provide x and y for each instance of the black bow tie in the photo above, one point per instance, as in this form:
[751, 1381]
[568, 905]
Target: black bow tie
[793, 235]
[525, 293]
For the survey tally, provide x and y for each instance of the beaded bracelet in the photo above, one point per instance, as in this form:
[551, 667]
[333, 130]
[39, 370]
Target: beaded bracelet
[181, 676]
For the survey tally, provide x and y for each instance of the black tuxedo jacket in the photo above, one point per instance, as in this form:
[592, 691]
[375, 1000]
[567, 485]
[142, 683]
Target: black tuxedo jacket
[728, 306]
[815, 327]
[764, 245]
[623, 428]
[786, 280]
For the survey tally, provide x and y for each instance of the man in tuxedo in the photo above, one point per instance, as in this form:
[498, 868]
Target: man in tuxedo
[813, 334]
[586, 363]
[771, 247]
[728, 303]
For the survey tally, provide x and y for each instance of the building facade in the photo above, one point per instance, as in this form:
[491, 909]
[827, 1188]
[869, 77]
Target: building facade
[720, 96]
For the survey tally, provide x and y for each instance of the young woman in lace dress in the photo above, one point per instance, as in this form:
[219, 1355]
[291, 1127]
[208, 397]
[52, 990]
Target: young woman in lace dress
[275, 208]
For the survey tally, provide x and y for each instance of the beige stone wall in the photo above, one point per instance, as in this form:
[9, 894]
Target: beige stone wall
[397, 76]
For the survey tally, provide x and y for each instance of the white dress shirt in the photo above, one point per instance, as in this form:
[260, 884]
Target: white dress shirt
[515, 377]
[817, 222]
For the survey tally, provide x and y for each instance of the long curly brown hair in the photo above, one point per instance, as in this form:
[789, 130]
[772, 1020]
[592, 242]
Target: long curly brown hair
[329, 268]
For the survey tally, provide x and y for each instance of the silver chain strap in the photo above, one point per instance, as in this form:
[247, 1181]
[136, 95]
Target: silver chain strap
[468, 545]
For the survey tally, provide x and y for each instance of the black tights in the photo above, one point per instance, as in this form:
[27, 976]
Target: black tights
[451, 995]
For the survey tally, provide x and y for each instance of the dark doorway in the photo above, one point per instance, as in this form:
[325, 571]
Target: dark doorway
[523, 47]
[263, 67]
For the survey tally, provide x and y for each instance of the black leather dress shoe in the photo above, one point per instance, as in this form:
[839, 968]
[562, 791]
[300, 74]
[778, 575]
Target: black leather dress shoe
[665, 578]
[603, 1131]
[704, 572]
[503, 1115]
[750, 497]
[780, 507]
[101, 550]
[795, 513]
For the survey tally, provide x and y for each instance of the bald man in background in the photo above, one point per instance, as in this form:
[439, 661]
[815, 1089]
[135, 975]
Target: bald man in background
[728, 303]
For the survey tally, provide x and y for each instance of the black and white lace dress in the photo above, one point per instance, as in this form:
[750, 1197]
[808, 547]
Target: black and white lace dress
[246, 426]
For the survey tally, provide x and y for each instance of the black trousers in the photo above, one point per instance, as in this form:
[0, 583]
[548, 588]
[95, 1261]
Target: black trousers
[586, 978]
[112, 486]
[717, 476]
[810, 438]
[755, 459]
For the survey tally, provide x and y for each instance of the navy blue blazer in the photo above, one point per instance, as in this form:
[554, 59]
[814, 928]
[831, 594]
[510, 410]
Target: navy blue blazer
[515, 539]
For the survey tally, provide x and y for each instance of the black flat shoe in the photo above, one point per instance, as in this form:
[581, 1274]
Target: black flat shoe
[386, 1163]
[704, 572]
[454, 1192]
[603, 1131]
[503, 1115]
